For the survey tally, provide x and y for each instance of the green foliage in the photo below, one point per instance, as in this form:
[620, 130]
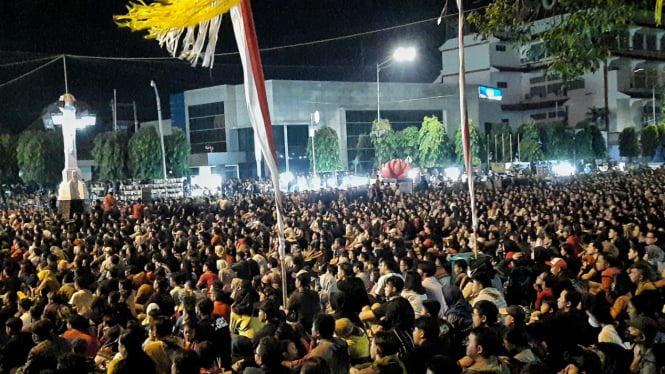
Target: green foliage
[433, 143]
[145, 158]
[40, 156]
[529, 146]
[579, 40]
[649, 140]
[9, 167]
[661, 133]
[381, 130]
[598, 143]
[555, 141]
[326, 147]
[474, 139]
[583, 145]
[628, 146]
[408, 145]
[110, 155]
[177, 153]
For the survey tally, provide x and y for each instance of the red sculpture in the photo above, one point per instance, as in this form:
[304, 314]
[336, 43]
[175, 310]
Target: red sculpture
[395, 169]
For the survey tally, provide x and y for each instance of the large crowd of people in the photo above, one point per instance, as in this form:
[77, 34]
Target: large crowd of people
[558, 276]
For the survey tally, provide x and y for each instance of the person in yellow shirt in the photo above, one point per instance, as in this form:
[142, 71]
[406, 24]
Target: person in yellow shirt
[356, 338]
[160, 346]
[131, 358]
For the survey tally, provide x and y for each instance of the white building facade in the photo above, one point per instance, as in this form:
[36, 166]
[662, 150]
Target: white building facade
[217, 125]
[633, 87]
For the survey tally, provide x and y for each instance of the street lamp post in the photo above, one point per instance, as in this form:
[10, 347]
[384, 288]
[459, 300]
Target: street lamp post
[71, 192]
[313, 121]
[159, 124]
[400, 54]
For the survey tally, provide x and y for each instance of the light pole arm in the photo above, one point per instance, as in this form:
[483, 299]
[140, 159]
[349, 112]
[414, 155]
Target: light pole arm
[380, 66]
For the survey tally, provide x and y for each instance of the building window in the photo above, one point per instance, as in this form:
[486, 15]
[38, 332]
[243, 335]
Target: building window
[651, 43]
[535, 80]
[207, 127]
[502, 84]
[537, 91]
[297, 141]
[623, 40]
[575, 84]
[505, 121]
[638, 41]
[500, 48]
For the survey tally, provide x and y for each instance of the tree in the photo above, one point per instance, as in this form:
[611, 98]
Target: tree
[578, 39]
[110, 155]
[530, 147]
[649, 140]
[583, 148]
[628, 146]
[145, 158]
[380, 129]
[407, 146]
[9, 168]
[40, 156]
[598, 143]
[661, 133]
[326, 147]
[555, 140]
[433, 143]
[177, 153]
[474, 140]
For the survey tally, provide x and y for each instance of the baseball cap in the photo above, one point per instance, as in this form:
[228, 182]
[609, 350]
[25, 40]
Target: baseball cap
[558, 262]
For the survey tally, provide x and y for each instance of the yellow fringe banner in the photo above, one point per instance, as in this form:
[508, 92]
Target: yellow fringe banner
[188, 29]
[166, 15]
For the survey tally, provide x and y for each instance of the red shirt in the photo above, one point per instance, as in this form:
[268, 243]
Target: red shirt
[540, 295]
[109, 203]
[222, 310]
[137, 210]
[207, 278]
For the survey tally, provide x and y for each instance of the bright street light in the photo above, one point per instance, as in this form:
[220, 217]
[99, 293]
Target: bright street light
[401, 54]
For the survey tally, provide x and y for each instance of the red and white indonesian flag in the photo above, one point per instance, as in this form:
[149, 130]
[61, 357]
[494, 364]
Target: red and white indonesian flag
[257, 102]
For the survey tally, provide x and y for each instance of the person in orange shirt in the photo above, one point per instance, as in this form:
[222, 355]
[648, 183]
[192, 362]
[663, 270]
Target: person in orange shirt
[137, 209]
[78, 328]
[221, 304]
[110, 204]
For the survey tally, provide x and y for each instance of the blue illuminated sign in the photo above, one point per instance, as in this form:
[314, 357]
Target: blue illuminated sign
[489, 93]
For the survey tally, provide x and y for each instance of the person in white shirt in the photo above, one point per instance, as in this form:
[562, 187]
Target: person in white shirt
[387, 268]
[82, 298]
[433, 288]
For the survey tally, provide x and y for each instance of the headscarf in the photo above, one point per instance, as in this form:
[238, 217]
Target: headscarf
[459, 310]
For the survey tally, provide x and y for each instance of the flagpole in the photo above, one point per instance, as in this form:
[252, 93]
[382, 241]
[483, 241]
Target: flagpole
[258, 111]
[464, 122]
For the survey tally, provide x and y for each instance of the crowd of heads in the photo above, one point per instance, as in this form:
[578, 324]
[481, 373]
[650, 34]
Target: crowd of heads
[557, 274]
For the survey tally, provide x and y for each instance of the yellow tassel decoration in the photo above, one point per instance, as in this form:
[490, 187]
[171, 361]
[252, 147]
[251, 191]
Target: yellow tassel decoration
[167, 21]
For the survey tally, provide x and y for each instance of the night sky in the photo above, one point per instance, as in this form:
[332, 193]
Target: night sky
[35, 29]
